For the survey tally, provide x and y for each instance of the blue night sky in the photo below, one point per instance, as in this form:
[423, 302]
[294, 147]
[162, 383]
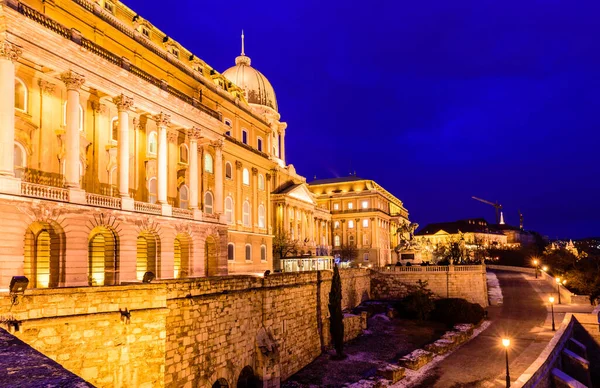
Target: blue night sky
[435, 100]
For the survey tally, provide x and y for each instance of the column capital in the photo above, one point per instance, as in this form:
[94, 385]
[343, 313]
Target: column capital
[98, 107]
[162, 119]
[73, 80]
[254, 171]
[218, 144]
[46, 87]
[194, 133]
[172, 137]
[268, 176]
[123, 102]
[238, 164]
[10, 51]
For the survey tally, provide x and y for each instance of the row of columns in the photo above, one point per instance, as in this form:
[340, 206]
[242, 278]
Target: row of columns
[307, 226]
[9, 54]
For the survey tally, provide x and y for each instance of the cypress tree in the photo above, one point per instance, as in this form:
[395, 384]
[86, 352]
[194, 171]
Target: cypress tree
[336, 318]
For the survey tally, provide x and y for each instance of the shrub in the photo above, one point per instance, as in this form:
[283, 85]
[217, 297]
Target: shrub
[451, 311]
[418, 304]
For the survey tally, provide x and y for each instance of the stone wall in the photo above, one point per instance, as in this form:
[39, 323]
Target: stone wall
[452, 282]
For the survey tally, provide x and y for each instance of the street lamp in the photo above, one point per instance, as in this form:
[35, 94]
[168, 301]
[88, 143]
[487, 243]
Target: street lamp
[536, 263]
[506, 343]
[558, 288]
[552, 306]
[545, 268]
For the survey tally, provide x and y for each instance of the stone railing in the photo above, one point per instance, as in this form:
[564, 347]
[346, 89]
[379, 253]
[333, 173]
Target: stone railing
[183, 213]
[45, 192]
[103, 201]
[144, 207]
[435, 268]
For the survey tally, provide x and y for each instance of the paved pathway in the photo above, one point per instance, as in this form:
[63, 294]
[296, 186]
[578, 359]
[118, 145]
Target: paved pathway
[523, 318]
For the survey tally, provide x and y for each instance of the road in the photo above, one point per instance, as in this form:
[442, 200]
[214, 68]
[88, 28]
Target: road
[481, 361]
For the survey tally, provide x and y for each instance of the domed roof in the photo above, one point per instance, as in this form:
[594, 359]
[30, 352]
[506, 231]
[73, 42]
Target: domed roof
[256, 86]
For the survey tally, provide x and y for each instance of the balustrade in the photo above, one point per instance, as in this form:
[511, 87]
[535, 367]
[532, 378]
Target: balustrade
[45, 192]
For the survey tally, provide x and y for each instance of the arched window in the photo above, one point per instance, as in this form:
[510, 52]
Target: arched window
[20, 95]
[336, 241]
[261, 216]
[152, 143]
[336, 225]
[246, 177]
[350, 224]
[263, 253]
[114, 129]
[261, 182]
[228, 171]
[80, 116]
[183, 153]
[351, 240]
[208, 203]
[208, 163]
[246, 214]
[20, 160]
[229, 210]
[248, 252]
[152, 190]
[183, 197]
[230, 251]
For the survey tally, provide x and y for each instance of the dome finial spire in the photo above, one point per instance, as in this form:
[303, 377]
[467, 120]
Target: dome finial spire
[243, 43]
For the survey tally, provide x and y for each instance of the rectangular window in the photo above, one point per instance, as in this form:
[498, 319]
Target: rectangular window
[336, 206]
[365, 204]
[259, 144]
[350, 205]
[245, 136]
[365, 223]
[366, 256]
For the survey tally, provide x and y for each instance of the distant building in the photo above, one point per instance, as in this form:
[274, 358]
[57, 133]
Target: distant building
[363, 214]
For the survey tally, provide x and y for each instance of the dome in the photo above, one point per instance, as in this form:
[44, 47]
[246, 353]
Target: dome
[256, 86]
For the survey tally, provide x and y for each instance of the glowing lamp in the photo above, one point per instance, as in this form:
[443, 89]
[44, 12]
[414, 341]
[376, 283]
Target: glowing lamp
[505, 342]
[564, 281]
[557, 280]
[551, 299]
[535, 262]
[545, 268]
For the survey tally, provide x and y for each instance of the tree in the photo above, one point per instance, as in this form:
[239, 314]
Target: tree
[336, 318]
[348, 252]
[418, 304]
[284, 245]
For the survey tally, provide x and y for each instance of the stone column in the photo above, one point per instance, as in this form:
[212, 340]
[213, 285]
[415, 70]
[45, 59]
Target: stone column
[123, 104]
[162, 122]
[73, 81]
[238, 191]
[343, 232]
[358, 236]
[374, 242]
[9, 54]
[194, 135]
[282, 145]
[218, 205]
[286, 219]
[268, 204]
[255, 199]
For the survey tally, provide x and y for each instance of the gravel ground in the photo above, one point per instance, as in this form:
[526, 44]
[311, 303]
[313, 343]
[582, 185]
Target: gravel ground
[385, 341]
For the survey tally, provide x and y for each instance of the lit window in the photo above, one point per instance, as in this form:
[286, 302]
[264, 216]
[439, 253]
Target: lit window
[336, 206]
[246, 177]
[208, 203]
[350, 205]
[261, 182]
[336, 225]
[80, 116]
[183, 197]
[20, 95]
[365, 223]
[259, 144]
[229, 210]
[152, 190]
[228, 170]
[208, 163]
[366, 256]
[20, 160]
[244, 136]
[261, 216]
[336, 241]
[365, 204]
[183, 153]
[246, 214]
[350, 224]
[263, 253]
[230, 251]
[351, 240]
[114, 129]
[248, 252]
[152, 143]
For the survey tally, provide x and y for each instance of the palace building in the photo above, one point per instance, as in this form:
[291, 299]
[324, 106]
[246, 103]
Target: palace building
[123, 153]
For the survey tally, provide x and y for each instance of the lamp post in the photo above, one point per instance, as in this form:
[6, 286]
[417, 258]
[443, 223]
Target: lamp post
[552, 307]
[536, 263]
[506, 343]
[558, 288]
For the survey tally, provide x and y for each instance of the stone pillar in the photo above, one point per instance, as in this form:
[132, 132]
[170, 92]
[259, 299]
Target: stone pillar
[268, 204]
[358, 236]
[194, 135]
[218, 205]
[73, 81]
[123, 104]
[239, 204]
[286, 219]
[9, 54]
[343, 237]
[282, 145]
[255, 199]
[374, 242]
[162, 122]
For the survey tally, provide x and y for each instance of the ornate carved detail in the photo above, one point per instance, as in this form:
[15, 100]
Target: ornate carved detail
[73, 80]
[123, 102]
[254, 171]
[42, 212]
[162, 119]
[172, 137]
[268, 176]
[184, 228]
[194, 133]
[238, 164]
[98, 107]
[104, 219]
[10, 51]
[217, 144]
[147, 224]
[46, 87]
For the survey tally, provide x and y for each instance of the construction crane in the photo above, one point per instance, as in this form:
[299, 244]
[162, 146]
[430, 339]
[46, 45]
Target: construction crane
[499, 217]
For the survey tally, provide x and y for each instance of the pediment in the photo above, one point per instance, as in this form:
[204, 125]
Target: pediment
[302, 193]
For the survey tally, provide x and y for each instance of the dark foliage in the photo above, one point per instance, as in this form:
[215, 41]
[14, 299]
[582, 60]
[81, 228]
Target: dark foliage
[451, 311]
[336, 317]
[418, 304]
